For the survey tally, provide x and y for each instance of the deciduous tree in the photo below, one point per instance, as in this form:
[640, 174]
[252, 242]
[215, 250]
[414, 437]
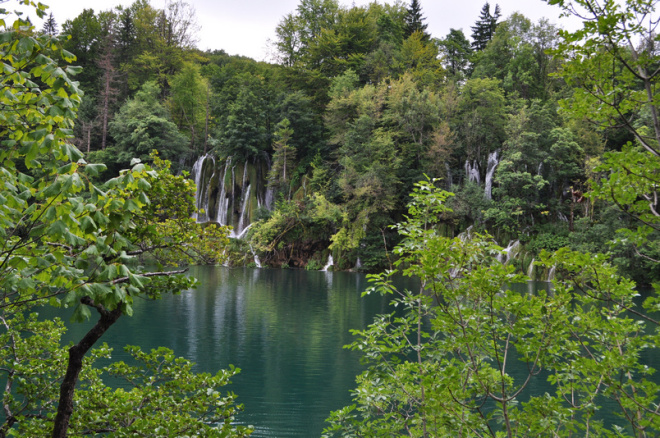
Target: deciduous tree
[442, 365]
[70, 243]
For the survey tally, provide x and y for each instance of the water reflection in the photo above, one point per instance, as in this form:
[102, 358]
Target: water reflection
[285, 329]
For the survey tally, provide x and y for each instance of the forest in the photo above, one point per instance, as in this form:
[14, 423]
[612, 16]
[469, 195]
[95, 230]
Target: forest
[368, 140]
[361, 104]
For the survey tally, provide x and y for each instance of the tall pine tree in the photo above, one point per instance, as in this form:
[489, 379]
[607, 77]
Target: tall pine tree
[50, 26]
[414, 21]
[484, 29]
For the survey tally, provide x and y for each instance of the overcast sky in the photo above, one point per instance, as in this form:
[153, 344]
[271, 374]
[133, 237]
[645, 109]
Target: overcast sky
[244, 27]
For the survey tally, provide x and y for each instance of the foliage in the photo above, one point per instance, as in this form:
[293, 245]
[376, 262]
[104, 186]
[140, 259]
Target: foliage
[441, 364]
[66, 241]
[612, 64]
[297, 227]
[484, 28]
[179, 402]
[414, 19]
[189, 102]
[142, 125]
[550, 238]
[517, 55]
[456, 50]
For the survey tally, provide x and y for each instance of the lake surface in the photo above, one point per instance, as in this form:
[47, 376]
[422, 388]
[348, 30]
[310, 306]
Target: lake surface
[284, 329]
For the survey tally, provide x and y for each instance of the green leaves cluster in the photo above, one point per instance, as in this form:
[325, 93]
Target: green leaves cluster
[68, 242]
[441, 364]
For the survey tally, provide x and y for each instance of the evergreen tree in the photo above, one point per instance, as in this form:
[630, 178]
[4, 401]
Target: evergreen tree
[484, 29]
[414, 19]
[50, 26]
[457, 51]
[284, 155]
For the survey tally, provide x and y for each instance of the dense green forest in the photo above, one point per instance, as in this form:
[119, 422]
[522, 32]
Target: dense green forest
[520, 132]
[361, 104]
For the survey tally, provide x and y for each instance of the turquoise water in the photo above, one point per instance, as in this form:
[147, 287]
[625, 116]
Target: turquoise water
[284, 329]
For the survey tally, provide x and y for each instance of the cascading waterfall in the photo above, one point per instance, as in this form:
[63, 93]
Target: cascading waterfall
[223, 199]
[245, 199]
[493, 161]
[530, 270]
[467, 234]
[331, 262]
[255, 257]
[200, 171]
[472, 171]
[244, 232]
[509, 252]
[232, 196]
[449, 176]
[233, 184]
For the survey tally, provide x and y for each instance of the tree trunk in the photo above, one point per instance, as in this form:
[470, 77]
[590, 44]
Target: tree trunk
[106, 104]
[76, 355]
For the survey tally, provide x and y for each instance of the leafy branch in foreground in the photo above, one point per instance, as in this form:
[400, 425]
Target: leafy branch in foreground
[443, 363]
[68, 242]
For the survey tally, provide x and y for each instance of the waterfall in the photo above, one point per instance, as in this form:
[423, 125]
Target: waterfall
[245, 200]
[540, 169]
[330, 263]
[270, 198]
[255, 256]
[236, 194]
[492, 165]
[509, 252]
[472, 171]
[244, 232]
[244, 175]
[223, 199]
[358, 264]
[551, 274]
[562, 217]
[449, 176]
[530, 270]
[199, 174]
[233, 187]
[467, 234]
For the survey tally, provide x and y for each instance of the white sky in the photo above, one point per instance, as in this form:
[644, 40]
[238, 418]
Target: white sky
[243, 27]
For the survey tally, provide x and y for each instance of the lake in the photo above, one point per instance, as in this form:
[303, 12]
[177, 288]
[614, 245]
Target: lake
[284, 329]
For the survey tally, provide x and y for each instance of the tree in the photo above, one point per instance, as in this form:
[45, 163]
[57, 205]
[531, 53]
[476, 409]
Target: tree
[284, 155]
[85, 42]
[189, 102]
[612, 65]
[70, 243]
[142, 125]
[179, 27]
[442, 365]
[516, 56]
[480, 119]
[50, 26]
[296, 32]
[414, 20]
[107, 91]
[457, 51]
[484, 28]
